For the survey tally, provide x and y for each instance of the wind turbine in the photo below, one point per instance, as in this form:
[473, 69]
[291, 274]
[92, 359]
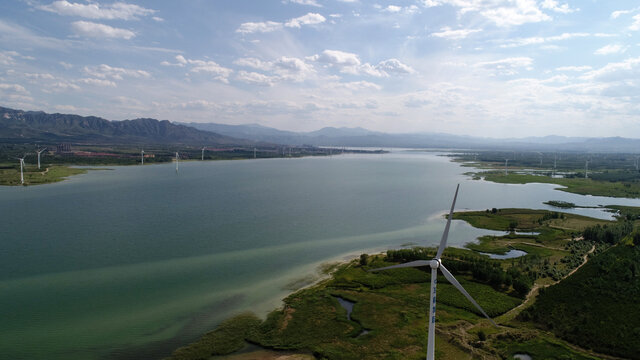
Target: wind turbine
[436, 264]
[203, 148]
[40, 152]
[586, 168]
[21, 168]
[506, 166]
[254, 153]
[177, 161]
[142, 157]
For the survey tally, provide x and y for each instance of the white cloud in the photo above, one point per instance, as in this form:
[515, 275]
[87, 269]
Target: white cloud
[285, 68]
[255, 78]
[117, 10]
[636, 23]
[91, 29]
[542, 40]
[39, 76]
[355, 85]
[628, 69]
[269, 26]
[574, 68]
[616, 14]
[104, 71]
[393, 8]
[447, 33]
[13, 88]
[555, 6]
[308, 19]
[219, 72]
[503, 13]
[262, 27]
[394, 66]
[9, 57]
[158, 19]
[611, 49]
[97, 82]
[306, 2]
[60, 86]
[350, 63]
[508, 66]
[65, 65]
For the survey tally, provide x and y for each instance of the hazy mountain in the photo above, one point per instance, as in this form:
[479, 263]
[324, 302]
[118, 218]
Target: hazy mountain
[20, 126]
[331, 136]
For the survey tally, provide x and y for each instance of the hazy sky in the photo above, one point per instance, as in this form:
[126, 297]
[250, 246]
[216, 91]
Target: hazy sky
[477, 67]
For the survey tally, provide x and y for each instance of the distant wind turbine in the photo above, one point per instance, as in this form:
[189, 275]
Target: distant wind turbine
[177, 161]
[586, 169]
[254, 153]
[40, 152]
[203, 148]
[436, 264]
[506, 166]
[142, 157]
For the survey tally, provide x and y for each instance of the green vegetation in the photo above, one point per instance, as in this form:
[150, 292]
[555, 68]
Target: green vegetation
[225, 339]
[561, 204]
[10, 175]
[574, 185]
[540, 348]
[597, 307]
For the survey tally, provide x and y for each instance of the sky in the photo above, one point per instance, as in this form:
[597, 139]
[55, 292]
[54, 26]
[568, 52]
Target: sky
[492, 68]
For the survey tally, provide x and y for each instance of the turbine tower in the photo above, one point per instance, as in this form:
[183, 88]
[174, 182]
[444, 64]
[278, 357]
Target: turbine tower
[436, 264]
[203, 148]
[254, 153]
[177, 161]
[586, 168]
[40, 152]
[22, 168]
[142, 157]
[506, 166]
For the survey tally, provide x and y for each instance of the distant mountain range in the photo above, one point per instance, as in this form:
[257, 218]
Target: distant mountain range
[331, 136]
[37, 126]
[32, 126]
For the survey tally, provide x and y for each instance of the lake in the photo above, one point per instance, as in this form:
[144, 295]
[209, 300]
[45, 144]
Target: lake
[132, 262]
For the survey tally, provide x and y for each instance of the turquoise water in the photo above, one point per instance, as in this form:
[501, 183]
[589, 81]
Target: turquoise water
[135, 261]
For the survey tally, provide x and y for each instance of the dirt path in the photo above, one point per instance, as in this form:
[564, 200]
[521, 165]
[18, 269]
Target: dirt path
[511, 314]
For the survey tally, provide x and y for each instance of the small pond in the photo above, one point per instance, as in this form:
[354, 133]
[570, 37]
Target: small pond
[511, 254]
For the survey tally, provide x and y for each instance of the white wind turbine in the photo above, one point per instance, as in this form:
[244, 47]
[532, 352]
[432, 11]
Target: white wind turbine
[142, 157]
[40, 152]
[177, 161]
[203, 148]
[436, 264]
[22, 168]
[506, 166]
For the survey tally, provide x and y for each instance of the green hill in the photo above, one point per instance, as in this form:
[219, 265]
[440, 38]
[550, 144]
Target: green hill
[17, 126]
[598, 306]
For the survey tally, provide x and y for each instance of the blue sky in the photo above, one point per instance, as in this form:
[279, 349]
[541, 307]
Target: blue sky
[496, 68]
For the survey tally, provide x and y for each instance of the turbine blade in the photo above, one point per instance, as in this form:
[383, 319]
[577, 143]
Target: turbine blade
[416, 263]
[464, 292]
[445, 234]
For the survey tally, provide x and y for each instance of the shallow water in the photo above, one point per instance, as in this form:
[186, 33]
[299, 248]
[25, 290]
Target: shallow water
[511, 254]
[138, 260]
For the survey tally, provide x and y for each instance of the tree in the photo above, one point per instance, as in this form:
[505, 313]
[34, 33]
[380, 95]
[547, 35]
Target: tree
[363, 259]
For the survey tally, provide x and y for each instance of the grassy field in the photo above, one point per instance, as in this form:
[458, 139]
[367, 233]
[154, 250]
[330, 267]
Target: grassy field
[10, 175]
[573, 185]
